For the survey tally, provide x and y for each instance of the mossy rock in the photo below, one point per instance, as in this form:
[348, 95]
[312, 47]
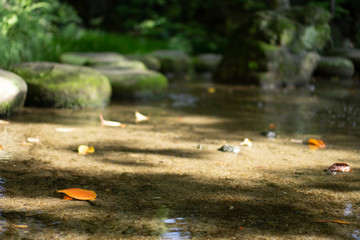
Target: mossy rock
[351, 53]
[207, 62]
[63, 86]
[135, 83]
[103, 59]
[150, 62]
[334, 66]
[12, 93]
[173, 61]
[91, 58]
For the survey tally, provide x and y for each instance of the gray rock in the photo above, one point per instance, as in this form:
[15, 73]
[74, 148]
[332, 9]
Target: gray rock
[150, 62]
[207, 62]
[334, 67]
[101, 59]
[173, 61]
[12, 93]
[351, 53]
[135, 83]
[63, 86]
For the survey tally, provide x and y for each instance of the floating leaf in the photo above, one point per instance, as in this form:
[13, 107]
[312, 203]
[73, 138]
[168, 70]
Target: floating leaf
[83, 149]
[108, 123]
[79, 194]
[140, 117]
[246, 142]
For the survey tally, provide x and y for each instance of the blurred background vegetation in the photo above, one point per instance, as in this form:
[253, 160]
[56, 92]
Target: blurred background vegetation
[43, 29]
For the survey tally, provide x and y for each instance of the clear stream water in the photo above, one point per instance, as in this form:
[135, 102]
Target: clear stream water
[330, 110]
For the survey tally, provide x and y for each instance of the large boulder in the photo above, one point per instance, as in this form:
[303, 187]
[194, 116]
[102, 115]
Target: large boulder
[334, 67]
[63, 86]
[135, 83]
[268, 45]
[173, 61]
[12, 93]
[207, 62]
[101, 59]
[350, 53]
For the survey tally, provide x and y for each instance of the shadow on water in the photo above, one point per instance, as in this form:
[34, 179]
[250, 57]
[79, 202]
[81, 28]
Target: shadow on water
[213, 209]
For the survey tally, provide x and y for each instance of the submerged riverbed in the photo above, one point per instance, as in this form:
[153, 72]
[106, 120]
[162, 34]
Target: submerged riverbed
[165, 178]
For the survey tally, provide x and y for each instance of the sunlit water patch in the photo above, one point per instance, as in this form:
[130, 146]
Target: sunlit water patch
[175, 229]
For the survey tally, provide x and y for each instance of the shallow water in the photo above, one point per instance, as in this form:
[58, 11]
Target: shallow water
[276, 189]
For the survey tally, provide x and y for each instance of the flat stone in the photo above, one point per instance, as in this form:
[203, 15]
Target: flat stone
[63, 86]
[173, 61]
[12, 93]
[135, 83]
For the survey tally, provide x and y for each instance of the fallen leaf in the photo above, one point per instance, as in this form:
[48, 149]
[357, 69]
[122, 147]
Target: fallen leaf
[246, 142]
[108, 123]
[140, 117]
[339, 167]
[211, 90]
[21, 226]
[65, 130]
[3, 122]
[66, 197]
[2, 147]
[317, 143]
[334, 221]
[340, 221]
[79, 194]
[33, 140]
[83, 149]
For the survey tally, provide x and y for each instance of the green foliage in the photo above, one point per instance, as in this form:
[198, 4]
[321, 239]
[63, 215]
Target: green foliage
[101, 41]
[27, 28]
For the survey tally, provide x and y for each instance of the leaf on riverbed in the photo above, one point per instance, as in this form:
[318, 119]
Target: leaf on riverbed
[20, 226]
[334, 221]
[2, 147]
[316, 142]
[108, 123]
[33, 140]
[65, 130]
[83, 149]
[246, 142]
[140, 117]
[211, 90]
[78, 193]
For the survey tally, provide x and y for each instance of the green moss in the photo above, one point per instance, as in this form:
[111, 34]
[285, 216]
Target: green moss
[64, 86]
[335, 62]
[136, 83]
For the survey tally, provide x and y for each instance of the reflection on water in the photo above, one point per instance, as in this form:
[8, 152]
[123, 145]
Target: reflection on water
[3, 223]
[348, 210]
[175, 229]
[356, 235]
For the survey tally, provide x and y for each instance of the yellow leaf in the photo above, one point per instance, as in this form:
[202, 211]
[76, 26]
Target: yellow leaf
[20, 226]
[83, 149]
[340, 221]
[211, 90]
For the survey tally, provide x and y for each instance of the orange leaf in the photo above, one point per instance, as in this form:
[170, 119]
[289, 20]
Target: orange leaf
[78, 193]
[340, 221]
[322, 221]
[317, 143]
[66, 197]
